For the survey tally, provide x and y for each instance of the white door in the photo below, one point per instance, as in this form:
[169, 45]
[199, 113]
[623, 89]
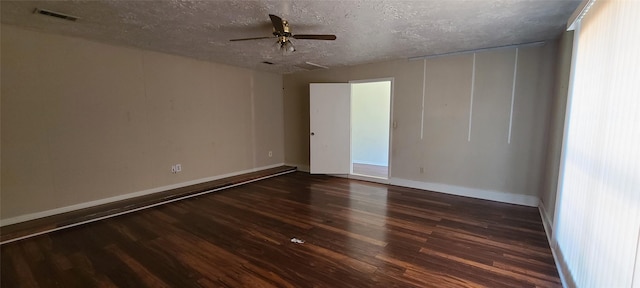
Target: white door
[330, 139]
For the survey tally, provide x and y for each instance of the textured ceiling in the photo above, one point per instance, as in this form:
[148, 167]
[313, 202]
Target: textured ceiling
[367, 31]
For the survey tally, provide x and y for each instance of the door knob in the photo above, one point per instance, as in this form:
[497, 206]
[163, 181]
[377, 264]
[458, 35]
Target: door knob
[313, 133]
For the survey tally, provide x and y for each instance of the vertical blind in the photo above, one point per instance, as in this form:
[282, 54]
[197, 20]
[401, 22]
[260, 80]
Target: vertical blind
[597, 230]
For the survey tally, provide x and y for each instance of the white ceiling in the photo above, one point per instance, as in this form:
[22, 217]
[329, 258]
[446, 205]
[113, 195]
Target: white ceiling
[367, 31]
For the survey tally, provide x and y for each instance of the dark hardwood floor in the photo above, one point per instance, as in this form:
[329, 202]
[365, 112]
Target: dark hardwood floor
[357, 234]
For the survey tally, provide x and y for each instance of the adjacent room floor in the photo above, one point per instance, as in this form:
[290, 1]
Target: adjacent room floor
[356, 234]
[377, 171]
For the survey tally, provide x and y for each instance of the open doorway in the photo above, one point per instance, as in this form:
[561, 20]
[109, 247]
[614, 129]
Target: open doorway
[370, 122]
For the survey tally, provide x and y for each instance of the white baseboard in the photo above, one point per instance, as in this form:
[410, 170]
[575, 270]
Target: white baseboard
[350, 176]
[554, 247]
[526, 200]
[519, 199]
[369, 179]
[546, 221]
[304, 168]
[32, 216]
[563, 269]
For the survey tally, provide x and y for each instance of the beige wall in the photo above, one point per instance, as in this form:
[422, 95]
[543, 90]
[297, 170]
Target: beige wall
[556, 126]
[84, 121]
[487, 162]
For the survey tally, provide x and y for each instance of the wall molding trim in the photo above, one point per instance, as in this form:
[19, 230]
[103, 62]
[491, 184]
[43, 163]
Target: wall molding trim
[303, 168]
[369, 179]
[519, 199]
[363, 178]
[546, 221]
[42, 214]
[557, 255]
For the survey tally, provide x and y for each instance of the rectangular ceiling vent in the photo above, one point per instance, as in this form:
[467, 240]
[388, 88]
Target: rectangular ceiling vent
[55, 14]
[311, 66]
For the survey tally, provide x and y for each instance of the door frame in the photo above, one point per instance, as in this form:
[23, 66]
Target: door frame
[391, 128]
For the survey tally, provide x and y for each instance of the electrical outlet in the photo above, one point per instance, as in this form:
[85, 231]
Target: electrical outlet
[178, 168]
[270, 154]
[173, 169]
[421, 170]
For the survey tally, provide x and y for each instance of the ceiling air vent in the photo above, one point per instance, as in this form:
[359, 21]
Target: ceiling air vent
[311, 66]
[55, 14]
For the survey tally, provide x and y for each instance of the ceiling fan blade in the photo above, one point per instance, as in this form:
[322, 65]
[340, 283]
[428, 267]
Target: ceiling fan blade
[254, 38]
[314, 37]
[277, 23]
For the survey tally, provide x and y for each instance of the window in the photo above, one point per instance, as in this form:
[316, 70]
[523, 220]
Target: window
[597, 230]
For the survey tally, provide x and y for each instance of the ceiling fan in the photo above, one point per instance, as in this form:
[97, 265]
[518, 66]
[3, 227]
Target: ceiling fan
[282, 32]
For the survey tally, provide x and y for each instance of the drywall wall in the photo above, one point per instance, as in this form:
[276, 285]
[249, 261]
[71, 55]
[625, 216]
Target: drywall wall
[370, 112]
[499, 158]
[268, 119]
[84, 121]
[556, 126]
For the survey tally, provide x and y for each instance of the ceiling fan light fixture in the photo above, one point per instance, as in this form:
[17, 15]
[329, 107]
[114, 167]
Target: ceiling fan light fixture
[288, 48]
[285, 46]
[282, 32]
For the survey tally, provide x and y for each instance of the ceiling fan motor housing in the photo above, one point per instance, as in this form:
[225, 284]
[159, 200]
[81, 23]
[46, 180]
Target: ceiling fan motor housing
[287, 30]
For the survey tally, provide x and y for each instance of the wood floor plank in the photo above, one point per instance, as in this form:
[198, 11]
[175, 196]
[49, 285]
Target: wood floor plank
[491, 268]
[356, 234]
